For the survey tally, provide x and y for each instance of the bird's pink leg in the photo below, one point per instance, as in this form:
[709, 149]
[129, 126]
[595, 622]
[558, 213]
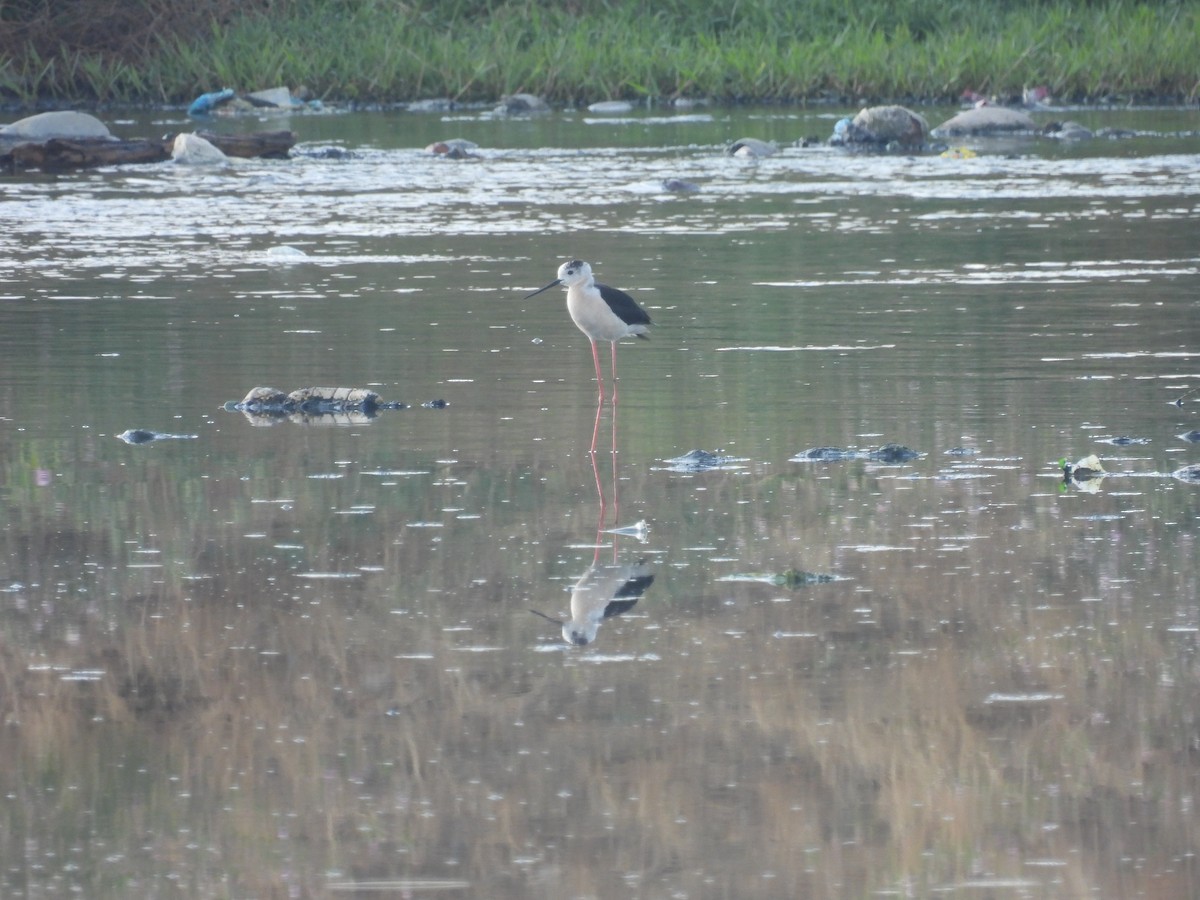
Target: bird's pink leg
[599, 490]
[614, 373]
[616, 495]
[595, 435]
[599, 374]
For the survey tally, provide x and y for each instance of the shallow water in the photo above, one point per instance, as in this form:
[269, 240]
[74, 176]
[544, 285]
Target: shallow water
[298, 659]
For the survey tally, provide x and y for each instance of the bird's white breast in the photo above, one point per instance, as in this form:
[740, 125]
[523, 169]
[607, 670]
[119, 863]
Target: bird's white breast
[593, 316]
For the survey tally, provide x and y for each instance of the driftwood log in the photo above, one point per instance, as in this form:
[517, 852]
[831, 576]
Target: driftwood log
[64, 154]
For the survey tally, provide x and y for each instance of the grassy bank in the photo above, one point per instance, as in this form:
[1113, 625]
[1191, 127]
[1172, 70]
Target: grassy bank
[139, 51]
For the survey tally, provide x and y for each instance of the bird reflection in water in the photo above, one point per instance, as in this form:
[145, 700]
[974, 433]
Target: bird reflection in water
[606, 589]
[602, 592]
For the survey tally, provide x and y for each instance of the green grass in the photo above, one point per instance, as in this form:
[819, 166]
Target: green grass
[586, 50]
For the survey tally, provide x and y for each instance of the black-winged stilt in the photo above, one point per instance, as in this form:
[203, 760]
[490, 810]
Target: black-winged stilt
[601, 312]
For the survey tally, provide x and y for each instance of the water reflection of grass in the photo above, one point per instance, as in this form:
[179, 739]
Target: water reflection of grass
[251, 733]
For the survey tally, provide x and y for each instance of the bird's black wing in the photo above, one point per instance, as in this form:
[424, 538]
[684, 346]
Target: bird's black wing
[623, 305]
[619, 607]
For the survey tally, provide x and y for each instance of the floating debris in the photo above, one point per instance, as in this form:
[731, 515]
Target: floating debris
[638, 530]
[1085, 469]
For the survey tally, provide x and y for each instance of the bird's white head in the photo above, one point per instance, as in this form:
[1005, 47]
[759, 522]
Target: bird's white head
[570, 273]
[573, 272]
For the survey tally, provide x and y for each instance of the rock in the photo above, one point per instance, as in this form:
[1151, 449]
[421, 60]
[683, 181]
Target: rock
[886, 126]
[1067, 131]
[823, 454]
[453, 148]
[986, 120]
[521, 104]
[893, 453]
[610, 107]
[287, 254]
[751, 148]
[1189, 474]
[698, 461]
[63, 124]
[268, 402]
[679, 186]
[434, 105]
[191, 149]
[888, 453]
[279, 97]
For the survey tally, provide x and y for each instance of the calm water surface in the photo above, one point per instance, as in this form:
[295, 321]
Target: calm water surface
[298, 659]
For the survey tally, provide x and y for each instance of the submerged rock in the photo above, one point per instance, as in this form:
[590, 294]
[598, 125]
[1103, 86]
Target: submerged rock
[318, 400]
[888, 453]
[1124, 441]
[145, 436]
[679, 186]
[893, 453]
[311, 406]
[824, 454]
[699, 461]
[1190, 474]
[796, 578]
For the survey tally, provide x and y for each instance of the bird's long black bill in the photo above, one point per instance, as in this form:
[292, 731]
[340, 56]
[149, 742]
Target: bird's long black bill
[542, 614]
[554, 283]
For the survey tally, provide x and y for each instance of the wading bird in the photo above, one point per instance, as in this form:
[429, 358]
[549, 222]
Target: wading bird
[601, 312]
